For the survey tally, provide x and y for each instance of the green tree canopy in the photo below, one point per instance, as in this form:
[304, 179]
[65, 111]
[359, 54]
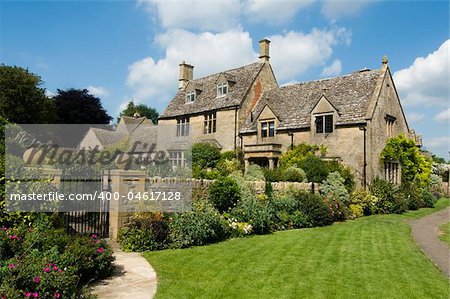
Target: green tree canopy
[77, 106]
[22, 98]
[142, 109]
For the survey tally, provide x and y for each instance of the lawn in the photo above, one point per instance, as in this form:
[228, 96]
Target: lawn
[371, 257]
[445, 232]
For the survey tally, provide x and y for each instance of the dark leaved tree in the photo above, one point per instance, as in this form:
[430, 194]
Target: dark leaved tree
[142, 109]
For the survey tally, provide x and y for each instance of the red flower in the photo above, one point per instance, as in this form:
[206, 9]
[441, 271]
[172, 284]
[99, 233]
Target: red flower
[46, 269]
[94, 236]
[55, 268]
[11, 266]
[36, 279]
[12, 237]
[28, 294]
[57, 295]
[100, 250]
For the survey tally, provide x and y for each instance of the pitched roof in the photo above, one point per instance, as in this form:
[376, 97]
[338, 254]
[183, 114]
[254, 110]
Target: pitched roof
[292, 104]
[207, 99]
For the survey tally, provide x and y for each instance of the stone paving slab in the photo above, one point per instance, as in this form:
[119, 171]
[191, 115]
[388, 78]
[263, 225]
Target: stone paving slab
[426, 233]
[133, 278]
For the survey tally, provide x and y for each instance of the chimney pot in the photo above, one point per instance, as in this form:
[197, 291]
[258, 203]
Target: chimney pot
[264, 50]
[186, 74]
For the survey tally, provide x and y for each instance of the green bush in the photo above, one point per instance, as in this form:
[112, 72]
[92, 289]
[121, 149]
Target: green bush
[255, 212]
[274, 175]
[224, 194]
[365, 200]
[390, 197]
[286, 213]
[314, 207]
[254, 173]
[201, 226]
[227, 166]
[294, 174]
[316, 170]
[334, 186]
[428, 198]
[345, 172]
[47, 261]
[414, 196]
[204, 155]
[338, 210]
[356, 211]
[145, 231]
[295, 156]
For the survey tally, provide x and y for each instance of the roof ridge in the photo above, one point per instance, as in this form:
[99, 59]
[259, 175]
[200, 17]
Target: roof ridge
[226, 71]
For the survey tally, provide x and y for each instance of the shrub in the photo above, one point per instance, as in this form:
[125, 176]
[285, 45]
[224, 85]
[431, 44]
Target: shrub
[316, 170]
[286, 213]
[338, 210]
[203, 225]
[334, 186]
[356, 211]
[145, 231]
[295, 156]
[294, 174]
[345, 172]
[390, 198]
[436, 183]
[205, 173]
[224, 194]
[274, 175]
[414, 196]
[314, 208]
[204, 155]
[254, 173]
[365, 200]
[428, 198]
[255, 212]
[227, 166]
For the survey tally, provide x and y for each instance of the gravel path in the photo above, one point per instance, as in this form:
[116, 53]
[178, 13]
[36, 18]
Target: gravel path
[426, 233]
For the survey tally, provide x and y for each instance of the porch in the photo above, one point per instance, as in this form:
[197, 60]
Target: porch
[263, 154]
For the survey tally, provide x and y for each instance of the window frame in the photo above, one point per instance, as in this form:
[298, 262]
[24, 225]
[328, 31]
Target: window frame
[189, 95]
[390, 122]
[183, 126]
[210, 123]
[222, 89]
[324, 123]
[177, 158]
[267, 129]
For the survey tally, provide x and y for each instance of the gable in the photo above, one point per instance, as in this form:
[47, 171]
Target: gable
[323, 106]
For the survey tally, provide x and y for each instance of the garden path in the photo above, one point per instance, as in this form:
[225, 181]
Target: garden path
[426, 233]
[133, 278]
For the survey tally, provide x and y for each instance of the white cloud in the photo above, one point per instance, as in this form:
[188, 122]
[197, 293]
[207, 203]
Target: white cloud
[426, 81]
[438, 145]
[443, 115]
[98, 91]
[208, 52]
[195, 14]
[414, 117]
[332, 70]
[294, 53]
[49, 93]
[274, 11]
[335, 9]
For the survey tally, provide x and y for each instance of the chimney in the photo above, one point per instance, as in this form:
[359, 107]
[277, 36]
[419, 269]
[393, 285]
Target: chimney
[186, 74]
[264, 50]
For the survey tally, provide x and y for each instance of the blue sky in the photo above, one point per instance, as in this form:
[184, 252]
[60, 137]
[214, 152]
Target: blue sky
[122, 50]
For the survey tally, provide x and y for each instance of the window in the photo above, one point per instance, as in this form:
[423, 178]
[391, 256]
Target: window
[392, 172]
[390, 120]
[324, 123]
[222, 89]
[209, 125]
[183, 126]
[267, 129]
[190, 96]
[177, 158]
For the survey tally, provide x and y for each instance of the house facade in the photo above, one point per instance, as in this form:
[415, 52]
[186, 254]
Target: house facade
[352, 116]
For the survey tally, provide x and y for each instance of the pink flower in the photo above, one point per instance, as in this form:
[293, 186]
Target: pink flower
[94, 236]
[100, 250]
[36, 279]
[35, 294]
[57, 295]
[96, 242]
[12, 237]
[46, 269]
[19, 238]
[60, 271]
[11, 266]
[4, 228]
[28, 294]
[55, 268]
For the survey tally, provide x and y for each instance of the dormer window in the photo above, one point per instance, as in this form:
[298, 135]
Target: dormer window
[190, 96]
[222, 89]
[267, 129]
[324, 124]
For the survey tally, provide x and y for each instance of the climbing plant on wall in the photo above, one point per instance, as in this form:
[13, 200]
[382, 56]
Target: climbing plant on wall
[416, 168]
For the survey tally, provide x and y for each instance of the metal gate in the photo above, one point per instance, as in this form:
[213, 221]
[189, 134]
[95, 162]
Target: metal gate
[87, 220]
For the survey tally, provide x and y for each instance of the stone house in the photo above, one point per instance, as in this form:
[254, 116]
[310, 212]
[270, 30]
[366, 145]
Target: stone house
[352, 115]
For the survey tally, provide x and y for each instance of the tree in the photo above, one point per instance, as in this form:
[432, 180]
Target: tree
[142, 109]
[22, 98]
[77, 106]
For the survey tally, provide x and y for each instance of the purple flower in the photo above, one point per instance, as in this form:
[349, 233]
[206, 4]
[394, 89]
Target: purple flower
[36, 279]
[55, 268]
[35, 294]
[46, 269]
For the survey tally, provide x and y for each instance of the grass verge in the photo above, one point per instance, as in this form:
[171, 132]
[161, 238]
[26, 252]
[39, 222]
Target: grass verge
[371, 257]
